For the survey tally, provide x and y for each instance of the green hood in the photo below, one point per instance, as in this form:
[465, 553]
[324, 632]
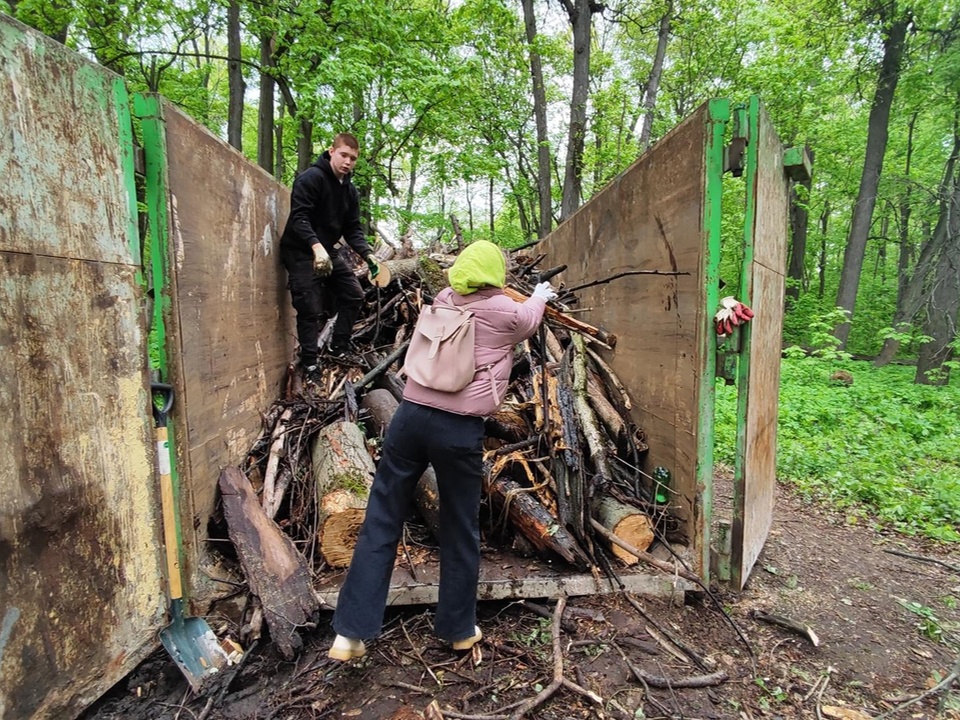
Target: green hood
[481, 264]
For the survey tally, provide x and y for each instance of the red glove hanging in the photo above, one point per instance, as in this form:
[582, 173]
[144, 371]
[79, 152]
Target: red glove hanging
[730, 315]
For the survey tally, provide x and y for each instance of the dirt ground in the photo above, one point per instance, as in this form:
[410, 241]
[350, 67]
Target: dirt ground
[886, 625]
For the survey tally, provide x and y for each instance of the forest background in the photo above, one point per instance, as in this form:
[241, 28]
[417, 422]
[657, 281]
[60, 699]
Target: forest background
[503, 116]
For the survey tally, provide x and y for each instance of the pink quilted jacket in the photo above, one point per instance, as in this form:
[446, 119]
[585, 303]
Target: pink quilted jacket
[500, 324]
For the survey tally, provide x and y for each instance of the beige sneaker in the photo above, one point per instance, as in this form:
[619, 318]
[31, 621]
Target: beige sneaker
[345, 648]
[468, 643]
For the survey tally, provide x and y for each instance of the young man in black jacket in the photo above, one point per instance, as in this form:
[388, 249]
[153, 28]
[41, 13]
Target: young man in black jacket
[325, 208]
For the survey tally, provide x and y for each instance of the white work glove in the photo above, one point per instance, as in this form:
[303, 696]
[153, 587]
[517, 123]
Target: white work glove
[731, 314]
[321, 261]
[544, 290]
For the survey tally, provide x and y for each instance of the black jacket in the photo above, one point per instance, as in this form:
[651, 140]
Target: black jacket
[322, 209]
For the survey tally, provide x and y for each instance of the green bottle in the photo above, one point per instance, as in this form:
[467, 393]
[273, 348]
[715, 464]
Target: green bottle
[661, 477]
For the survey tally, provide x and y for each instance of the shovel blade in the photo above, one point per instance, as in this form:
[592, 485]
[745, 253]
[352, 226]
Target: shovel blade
[195, 649]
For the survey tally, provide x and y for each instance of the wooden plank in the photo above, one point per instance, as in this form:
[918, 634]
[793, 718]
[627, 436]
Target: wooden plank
[504, 576]
[753, 509]
[81, 585]
[82, 593]
[231, 331]
[650, 218]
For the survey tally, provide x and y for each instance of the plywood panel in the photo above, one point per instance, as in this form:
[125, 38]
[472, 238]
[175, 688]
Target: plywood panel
[81, 591]
[649, 218]
[233, 331]
[64, 185]
[754, 514]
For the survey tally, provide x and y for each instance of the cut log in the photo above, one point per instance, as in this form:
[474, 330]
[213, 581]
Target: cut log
[343, 473]
[382, 405]
[276, 572]
[626, 522]
[528, 516]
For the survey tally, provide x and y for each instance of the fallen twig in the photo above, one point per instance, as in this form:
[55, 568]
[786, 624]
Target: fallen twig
[921, 558]
[785, 622]
[943, 685]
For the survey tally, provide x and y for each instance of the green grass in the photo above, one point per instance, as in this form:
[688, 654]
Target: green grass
[882, 447]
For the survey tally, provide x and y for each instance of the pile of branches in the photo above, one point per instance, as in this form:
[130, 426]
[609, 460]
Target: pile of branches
[563, 456]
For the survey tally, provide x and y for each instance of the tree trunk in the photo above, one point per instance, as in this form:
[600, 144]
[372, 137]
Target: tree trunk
[265, 116]
[540, 115]
[278, 155]
[942, 307]
[342, 473]
[822, 267]
[579, 13]
[305, 146]
[528, 516]
[653, 81]
[235, 77]
[912, 296]
[877, 132]
[275, 571]
[799, 220]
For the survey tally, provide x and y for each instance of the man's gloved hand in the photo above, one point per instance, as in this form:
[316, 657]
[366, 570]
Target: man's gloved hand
[731, 314]
[322, 265]
[373, 266]
[545, 290]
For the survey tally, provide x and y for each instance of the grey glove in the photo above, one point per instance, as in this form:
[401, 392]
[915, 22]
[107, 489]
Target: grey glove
[544, 290]
[322, 265]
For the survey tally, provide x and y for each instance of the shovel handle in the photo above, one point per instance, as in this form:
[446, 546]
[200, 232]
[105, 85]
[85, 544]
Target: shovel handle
[167, 502]
[167, 499]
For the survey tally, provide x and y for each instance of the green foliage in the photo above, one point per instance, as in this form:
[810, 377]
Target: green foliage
[881, 445]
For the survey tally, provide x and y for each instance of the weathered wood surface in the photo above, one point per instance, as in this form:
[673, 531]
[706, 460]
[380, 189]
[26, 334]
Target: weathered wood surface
[81, 573]
[275, 571]
[230, 328]
[756, 475]
[650, 218]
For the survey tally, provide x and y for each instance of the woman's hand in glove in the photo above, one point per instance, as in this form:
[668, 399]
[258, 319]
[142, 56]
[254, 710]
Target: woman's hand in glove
[545, 290]
[321, 261]
[373, 266]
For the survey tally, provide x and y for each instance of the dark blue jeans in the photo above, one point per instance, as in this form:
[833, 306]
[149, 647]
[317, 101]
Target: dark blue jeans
[453, 444]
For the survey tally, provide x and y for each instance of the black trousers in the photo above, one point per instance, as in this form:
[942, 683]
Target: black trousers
[316, 300]
[453, 444]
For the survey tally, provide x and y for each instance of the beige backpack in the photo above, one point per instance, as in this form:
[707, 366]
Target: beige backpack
[441, 352]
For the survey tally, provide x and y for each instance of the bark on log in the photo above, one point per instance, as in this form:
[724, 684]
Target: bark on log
[627, 523]
[528, 516]
[605, 410]
[343, 473]
[276, 572]
[382, 405]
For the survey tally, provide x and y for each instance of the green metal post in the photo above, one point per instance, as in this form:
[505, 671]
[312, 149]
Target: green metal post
[745, 295]
[719, 116]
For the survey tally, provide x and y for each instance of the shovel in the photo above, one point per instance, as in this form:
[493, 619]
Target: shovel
[189, 641]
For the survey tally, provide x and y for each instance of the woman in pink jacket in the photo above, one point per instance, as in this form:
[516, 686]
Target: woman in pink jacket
[445, 430]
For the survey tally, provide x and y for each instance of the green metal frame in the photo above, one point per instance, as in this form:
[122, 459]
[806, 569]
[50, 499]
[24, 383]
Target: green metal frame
[745, 295]
[148, 109]
[718, 118]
